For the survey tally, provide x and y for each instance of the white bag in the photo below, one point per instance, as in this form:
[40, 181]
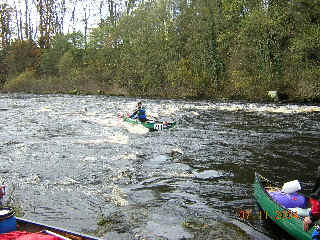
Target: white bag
[291, 187]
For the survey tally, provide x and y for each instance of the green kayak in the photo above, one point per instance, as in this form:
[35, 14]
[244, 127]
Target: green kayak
[151, 125]
[287, 220]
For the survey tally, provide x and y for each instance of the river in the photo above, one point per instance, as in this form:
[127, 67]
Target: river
[68, 160]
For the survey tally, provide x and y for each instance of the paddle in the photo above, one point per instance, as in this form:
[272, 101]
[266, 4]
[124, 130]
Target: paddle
[123, 115]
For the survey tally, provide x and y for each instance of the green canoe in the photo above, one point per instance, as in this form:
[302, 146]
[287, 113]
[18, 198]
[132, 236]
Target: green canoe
[151, 125]
[290, 222]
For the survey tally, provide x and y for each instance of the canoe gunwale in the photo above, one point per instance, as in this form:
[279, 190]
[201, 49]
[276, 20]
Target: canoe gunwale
[55, 229]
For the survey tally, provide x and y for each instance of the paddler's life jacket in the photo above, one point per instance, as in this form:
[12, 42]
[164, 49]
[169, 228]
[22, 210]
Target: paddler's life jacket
[142, 114]
[315, 200]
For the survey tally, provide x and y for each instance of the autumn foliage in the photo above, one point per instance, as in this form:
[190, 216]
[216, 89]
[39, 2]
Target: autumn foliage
[169, 48]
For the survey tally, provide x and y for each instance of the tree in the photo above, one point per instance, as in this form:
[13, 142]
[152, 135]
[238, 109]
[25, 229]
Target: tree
[61, 44]
[23, 55]
[6, 13]
[49, 24]
[5, 25]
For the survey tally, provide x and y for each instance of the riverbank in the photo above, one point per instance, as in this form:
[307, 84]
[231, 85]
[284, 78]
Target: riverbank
[30, 82]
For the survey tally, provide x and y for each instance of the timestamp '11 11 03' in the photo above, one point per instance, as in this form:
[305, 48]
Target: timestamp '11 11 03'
[277, 214]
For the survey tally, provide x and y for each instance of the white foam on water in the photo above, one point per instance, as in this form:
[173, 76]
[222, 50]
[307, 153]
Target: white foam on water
[136, 128]
[180, 174]
[117, 197]
[67, 181]
[129, 156]
[208, 174]
[44, 109]
[90, 191]
[108, 122]
[90, 159]
[91, 141]
[168, 111]
[177, 150]
[118, 138]
[121, 174]
[231, 107]
[35, 179]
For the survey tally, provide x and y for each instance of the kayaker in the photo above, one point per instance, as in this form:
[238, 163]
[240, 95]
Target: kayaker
[314, 213]
[140, 113]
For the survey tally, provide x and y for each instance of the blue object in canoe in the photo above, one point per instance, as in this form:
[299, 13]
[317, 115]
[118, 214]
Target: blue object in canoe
[293, 200]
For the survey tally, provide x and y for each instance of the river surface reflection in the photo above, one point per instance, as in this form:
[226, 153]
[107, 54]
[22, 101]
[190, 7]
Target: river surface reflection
[69, 159]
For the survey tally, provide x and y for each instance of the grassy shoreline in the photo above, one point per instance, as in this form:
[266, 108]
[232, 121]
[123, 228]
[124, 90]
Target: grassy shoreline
[30, 83]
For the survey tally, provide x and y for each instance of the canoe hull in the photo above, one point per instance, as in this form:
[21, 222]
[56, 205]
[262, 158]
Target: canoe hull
[151, 125]
[277, 213]
[31, 226]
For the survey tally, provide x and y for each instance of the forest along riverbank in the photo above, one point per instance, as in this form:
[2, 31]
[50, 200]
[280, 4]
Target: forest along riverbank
[69, 161]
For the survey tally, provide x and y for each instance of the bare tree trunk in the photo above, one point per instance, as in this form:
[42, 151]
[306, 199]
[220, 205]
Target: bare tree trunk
[112, 12]
[26, 26]
[48, 23]
[130, 4]
[100, 10]
[5, 19]
[73, 18]
[63, 10]
[20, 24]
[85, 20]
[17, 22]
[41, 27]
